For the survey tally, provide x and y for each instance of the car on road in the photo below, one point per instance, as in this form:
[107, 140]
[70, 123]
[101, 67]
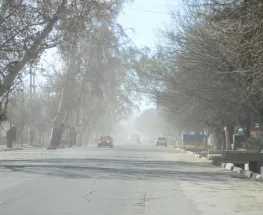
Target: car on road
[161, 141]
[105, 141]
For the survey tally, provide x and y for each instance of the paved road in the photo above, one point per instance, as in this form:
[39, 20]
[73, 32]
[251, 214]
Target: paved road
[121, 181]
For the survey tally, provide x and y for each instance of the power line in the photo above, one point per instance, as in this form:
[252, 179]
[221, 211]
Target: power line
[171, 5]
[167, 5]
[148, 11]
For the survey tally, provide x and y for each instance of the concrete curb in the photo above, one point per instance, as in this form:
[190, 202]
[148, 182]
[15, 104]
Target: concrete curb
[191, 153]
[198, 156]
[223, 165]
[180, 150]
[257, 177]
[238, 170]
[11, 149]
[241, 172]
[247, 173]
[229, 166]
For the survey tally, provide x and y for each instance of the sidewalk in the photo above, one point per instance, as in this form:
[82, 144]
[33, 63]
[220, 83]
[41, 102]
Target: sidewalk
[15, 147]
[10, 149]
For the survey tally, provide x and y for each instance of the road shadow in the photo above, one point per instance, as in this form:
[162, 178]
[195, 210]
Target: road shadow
[122, 169]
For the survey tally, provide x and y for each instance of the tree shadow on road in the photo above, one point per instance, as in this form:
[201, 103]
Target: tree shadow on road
[122, 169]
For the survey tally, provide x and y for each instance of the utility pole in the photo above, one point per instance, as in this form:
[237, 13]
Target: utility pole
[32, 99]
[22, 117]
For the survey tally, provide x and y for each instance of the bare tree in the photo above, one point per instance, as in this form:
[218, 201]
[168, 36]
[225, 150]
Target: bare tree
[91, 95]
[29, 28]
[211, 71]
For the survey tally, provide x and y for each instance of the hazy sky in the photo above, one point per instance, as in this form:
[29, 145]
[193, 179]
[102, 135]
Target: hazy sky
[145, 17]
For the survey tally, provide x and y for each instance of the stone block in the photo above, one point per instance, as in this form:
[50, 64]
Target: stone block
[229, 166]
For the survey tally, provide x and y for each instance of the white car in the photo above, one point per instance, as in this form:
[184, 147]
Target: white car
[161, 141]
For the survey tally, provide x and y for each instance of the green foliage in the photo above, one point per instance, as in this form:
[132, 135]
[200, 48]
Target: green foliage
[253, 143]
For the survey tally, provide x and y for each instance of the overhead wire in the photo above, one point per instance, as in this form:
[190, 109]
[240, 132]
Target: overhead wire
[148, 11]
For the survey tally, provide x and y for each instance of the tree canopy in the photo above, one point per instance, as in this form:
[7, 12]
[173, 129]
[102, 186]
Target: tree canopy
[210, 67]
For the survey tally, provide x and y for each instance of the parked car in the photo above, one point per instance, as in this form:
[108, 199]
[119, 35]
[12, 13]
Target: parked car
[161, 141]
[105, 141]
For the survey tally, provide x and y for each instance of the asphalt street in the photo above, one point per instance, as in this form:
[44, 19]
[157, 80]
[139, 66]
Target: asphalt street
[124, 180]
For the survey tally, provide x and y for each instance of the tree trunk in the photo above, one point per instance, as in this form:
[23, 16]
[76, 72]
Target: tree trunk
[230, 133]
[217, 144]
[58, 128]
[246, 125]
[206, 140]
[80, 138]
[63, 103]
[218, 139]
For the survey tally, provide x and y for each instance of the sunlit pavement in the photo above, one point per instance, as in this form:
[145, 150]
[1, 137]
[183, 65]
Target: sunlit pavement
[125, 180]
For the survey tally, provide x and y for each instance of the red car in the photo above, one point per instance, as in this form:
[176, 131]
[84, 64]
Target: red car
[105, 141]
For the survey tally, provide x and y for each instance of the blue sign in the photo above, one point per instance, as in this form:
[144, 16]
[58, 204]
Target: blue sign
[190, 138]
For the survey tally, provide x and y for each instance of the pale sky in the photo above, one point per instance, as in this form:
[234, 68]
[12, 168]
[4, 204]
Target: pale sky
[145, 17]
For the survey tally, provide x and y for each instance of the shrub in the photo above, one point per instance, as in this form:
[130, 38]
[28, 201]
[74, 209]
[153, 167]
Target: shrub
[253, 143]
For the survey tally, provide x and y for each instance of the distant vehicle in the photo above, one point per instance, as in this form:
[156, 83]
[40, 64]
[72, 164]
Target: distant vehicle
[135, 139]
[161, 141]
[105, 141]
